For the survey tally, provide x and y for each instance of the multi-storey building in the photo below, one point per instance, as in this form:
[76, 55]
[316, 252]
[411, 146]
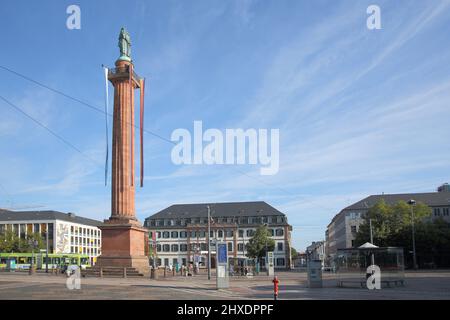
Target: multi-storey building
[181, 236]
[341, 231]
[316, 251]
[66, 232]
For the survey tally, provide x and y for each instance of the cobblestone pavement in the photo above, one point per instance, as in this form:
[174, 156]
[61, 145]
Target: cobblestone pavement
[419, 285]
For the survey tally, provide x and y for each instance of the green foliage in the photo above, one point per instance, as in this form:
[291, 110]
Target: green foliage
[11, 242]
[390, 221]
[392, 227]
[294, 253]
[256, 247]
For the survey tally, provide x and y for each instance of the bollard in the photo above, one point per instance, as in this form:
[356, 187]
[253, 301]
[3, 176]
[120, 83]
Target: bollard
[125, 272]
[165, 268]
[152, 273]
[173, 271]
[31, 270]
[101, 272]
[275, 288]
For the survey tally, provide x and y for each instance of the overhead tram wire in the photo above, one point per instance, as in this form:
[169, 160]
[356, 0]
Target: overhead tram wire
[53, 133]
[100, 110]
[97, 109]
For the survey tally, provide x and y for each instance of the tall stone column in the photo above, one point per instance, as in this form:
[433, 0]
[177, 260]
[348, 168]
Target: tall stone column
[124, 240]
[122, 192]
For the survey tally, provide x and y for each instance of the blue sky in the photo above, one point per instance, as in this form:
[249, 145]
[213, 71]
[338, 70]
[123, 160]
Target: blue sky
[360, 112]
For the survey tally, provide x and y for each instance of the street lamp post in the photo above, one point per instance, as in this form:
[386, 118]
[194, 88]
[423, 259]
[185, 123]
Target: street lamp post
[265, 258]
[33, 244]
[372, 257]
[412, 203]
[209, 243]
[371, 232]
[46, 252]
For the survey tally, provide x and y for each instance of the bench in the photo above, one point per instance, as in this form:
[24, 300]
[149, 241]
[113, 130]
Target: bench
[363, 283]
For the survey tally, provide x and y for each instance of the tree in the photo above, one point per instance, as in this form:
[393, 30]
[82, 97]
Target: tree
[260, 243]
[294, 253]
[11, 242]
[389, 221]
[392, 227]
[33, 238]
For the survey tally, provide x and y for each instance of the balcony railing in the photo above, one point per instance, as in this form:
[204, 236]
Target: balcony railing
[120, 71]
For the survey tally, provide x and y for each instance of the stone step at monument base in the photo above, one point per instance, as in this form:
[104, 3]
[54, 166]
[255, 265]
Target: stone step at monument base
[111, 272]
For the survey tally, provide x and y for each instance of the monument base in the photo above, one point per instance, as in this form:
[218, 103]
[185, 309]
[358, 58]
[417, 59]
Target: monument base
[124, 245]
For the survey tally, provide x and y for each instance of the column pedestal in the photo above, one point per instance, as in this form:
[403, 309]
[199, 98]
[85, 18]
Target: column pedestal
[123, 245]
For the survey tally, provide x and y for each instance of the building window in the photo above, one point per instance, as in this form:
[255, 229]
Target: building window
[445, 211]
[353, 229]
[202, 234]
[437, 212]
[280, 246]
[241, 233]
[175, 261]
[174, 234]
[166, 262]
[279, 232]
[272, 232]
[166, 248]
[50, 231]
[158, 262]
[250, 232]
[183, 247]
[203, 246]
[183, 234]
[280, 262]
[23, 227]
[241, 247]
[158, 247]
[174, 248]
[220, 234]
[229, 233]
[166, 234]
[230, 246]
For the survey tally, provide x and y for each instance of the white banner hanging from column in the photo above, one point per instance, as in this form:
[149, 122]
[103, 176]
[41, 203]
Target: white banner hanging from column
[105, 69]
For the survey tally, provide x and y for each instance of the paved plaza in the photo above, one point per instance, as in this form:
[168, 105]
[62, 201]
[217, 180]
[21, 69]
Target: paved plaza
[293, 285]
